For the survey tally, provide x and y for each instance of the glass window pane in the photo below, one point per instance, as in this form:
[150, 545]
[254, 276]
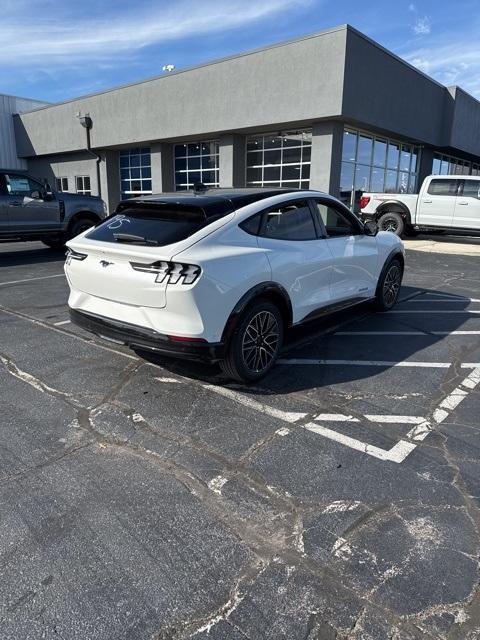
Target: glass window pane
[306, 154]
[393, 155]
[271, 173]
[255, 143]
[377, 180]
[293, 139]
[254, 158]
[403, 182]
[180, 164]
[290, 172]
[146, 172]
[292, 155]
[346, 182]
[180, 150]
[135, 173]
[349, 146]
[414, 165]
[292, 222]
[380, 153]
[364, 153]
[437, 163]
[306, 172]
[124, 160]
[362, 177]
[405, 158]
[145, 160]
[471, 189]
[146, 185]
[273, 142]
[445, 168]
[443, 187]
[134, 160]
[193, 149]
[254, 175]
[193, 162]
[391, 182]
[412, 183]
[272, 157]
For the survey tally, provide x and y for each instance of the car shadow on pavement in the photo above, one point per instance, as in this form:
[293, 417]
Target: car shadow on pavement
[25, 256]
[317, 340]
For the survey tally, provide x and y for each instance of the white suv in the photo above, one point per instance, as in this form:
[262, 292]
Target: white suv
[219, 276]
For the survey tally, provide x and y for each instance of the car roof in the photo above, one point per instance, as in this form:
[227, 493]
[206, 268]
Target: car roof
[214, 203]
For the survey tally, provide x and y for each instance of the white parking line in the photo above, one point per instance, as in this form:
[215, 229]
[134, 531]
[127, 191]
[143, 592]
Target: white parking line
[58, 275]
[407, 333]
[59, 324]
[435, 300]
[450, 297]
[340, 417]
[465, 311]
[375, 363]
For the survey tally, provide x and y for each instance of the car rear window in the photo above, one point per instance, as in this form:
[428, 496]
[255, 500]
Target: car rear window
[151, 225]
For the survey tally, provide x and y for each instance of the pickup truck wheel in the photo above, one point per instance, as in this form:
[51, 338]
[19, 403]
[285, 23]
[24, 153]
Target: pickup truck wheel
[391, 221]
[388, 286]
[80, 225]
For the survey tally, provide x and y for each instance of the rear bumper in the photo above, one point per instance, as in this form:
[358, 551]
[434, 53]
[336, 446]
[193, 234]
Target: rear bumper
[141, 338]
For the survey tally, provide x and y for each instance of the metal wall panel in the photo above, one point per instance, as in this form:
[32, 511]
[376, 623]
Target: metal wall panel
[8, 106]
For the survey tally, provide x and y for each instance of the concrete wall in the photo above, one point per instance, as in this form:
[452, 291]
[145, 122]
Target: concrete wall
[8, 151]
[291, 82]
[69, 166]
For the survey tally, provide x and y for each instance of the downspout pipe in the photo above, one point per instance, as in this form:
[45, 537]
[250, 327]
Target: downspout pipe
[87, 123]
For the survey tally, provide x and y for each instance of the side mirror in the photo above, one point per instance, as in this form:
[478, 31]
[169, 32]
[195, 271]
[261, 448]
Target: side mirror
[370, 228]
[36, 195]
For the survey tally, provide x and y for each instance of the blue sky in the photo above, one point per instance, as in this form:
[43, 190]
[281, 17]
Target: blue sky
[55, 50]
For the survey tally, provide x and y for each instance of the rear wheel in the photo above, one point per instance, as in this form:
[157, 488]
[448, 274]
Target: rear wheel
[388, 286]
[391, 221]
[255, 343]
[80, 225]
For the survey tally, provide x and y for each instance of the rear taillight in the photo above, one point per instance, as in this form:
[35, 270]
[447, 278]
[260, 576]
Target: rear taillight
[364, 200]
[74, 255]
[170, 272]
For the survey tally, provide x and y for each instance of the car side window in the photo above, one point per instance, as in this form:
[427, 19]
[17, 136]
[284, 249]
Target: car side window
[334, 221]
[471, 189]
[20, 185]
[443, 187]
[3, 185]
[292, 221]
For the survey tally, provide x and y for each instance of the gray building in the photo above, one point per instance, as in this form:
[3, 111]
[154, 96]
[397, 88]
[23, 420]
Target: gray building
[332, 111]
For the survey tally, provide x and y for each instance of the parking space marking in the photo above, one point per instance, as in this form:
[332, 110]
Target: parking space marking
[434, 300]
[62, 322]
[58, 275]
[465, 311]
[407, 333]
[400, 451]
[375, 363]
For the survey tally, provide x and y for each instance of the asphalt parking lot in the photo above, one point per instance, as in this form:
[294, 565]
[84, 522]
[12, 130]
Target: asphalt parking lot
[150, 499]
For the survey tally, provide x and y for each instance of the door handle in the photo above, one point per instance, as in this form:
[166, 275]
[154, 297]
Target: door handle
[15, 204]
[427, 201]
[464, 203]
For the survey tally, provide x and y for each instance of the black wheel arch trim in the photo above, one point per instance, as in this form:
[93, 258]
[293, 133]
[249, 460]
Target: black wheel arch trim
[263, 289]
[384, 208]
[395, 253]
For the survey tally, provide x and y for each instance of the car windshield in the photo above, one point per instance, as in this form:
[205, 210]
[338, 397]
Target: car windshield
[155, 226]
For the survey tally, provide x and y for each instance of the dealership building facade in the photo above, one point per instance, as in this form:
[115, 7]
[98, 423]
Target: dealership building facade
[333, 111]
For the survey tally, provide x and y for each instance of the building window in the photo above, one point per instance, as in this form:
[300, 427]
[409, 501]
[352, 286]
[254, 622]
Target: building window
[62, 184]
[83, 185]
[135, 172]
[279, 160]
[378, 164]
[450, 166]
[196, 162]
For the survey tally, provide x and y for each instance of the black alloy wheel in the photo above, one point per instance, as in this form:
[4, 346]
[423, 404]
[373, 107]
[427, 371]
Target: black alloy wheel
[256, 342]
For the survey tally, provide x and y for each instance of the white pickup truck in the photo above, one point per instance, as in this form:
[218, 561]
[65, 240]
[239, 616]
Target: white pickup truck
[448, 203]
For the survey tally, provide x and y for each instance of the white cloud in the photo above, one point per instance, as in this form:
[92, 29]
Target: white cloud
[412, 8]
[422, 26]
[450, 64]
[70, 33]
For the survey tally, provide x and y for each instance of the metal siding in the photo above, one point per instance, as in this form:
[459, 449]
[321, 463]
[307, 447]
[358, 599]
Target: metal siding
[8, 151]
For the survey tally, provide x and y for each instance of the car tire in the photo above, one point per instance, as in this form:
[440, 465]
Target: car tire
[79, 226]
[249, 362]
[388, 286]
[391, 221]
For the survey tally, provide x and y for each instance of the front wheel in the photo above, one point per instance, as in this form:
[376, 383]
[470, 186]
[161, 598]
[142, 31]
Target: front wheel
[79, 226]
[255, 343]
[391, 221]
[388, 286]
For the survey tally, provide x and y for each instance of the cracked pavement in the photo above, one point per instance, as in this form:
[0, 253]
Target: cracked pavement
[150, 499]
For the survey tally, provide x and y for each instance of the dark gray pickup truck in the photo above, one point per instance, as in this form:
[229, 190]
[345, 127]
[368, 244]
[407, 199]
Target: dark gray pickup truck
[30, 210]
